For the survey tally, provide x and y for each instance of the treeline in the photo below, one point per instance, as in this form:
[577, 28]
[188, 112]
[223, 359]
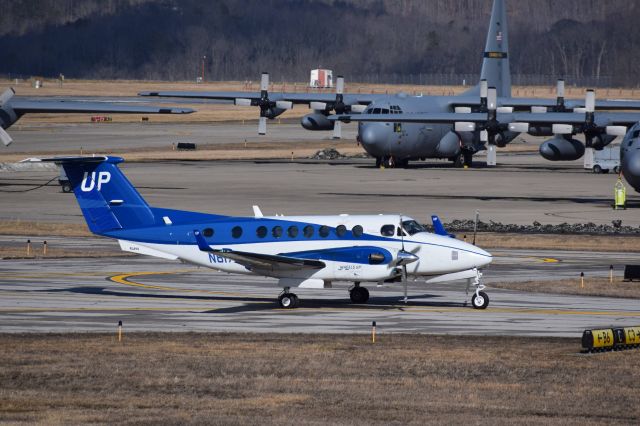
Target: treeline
[167, 39]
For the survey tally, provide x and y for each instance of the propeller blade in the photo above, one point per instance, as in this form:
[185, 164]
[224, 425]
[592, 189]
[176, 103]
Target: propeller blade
[404, 283]
[337, 130]
[6, 96]
[590, 101]
[562, 129]
[262, 126]
[358, 109]
[5, 137]
[579, 110]
[284, 104]
[560, 89]
[243, 102]
[505, 110]
[319, 106]
[492, 99]
[340, 85]
[264, 81]
[519, 127]
[464, 126]
[462, 110]
[616, 130]
[538, 110]
[484, 136]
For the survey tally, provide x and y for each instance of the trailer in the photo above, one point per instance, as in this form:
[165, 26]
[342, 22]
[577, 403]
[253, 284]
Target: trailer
[321, 78]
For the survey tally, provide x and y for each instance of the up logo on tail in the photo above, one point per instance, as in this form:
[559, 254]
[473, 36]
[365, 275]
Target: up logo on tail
[88, 184]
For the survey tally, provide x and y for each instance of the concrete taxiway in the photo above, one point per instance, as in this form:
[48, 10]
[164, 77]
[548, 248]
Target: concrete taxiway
[93, 294]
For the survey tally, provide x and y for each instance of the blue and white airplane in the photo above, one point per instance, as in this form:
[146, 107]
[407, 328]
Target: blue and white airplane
[303, 251]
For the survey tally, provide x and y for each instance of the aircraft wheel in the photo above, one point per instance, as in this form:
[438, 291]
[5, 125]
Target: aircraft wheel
[458, 161]
[288, 300]
[359, 295]
[597, 169]
[66, 187]
[467, 158]
[480, 300]
[378, 162]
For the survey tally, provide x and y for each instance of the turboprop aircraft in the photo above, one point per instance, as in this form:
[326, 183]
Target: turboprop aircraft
[12, 109]
[394, 143]
[303, 251]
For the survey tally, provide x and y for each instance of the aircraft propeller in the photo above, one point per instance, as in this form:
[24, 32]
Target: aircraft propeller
[338, 106]
[404, 258]
[5, 97]
[268, 108]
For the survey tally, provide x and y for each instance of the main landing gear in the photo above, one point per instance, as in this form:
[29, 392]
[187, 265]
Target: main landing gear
[479, 299]
[464, 158]
[359, 295]
[288, 300]
[390, 162]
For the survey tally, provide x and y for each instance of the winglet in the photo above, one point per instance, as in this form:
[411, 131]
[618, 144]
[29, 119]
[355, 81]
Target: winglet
[438, 228]
[202, 244]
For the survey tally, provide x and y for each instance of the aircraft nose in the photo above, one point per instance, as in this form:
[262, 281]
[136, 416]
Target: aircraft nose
[482, 257]
[631, 168]
[372, 137]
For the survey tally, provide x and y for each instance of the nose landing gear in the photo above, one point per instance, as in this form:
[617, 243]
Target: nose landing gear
[479, 299]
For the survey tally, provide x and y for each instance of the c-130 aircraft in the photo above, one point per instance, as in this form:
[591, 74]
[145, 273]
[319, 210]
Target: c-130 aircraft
[394, 143]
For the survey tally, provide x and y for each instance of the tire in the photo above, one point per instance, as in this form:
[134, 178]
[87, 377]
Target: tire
[66, 187]
[378, 162]
[458, 161]
[480, 301]
[597, 169]
[359, 295]
[468, 158]
[287, 300]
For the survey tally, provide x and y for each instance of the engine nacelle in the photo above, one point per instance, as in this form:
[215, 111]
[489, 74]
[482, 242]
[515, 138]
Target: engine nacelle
[273, 112]
[598, 142]
[631, 168]
[503, 138]
[562, 149]
[449, 145]
[316, 121]
[7, 117]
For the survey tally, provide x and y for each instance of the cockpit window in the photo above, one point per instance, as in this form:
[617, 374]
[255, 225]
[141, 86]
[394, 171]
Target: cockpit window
[412, 227]
[376, 111]
[635, 134]
[384, 111]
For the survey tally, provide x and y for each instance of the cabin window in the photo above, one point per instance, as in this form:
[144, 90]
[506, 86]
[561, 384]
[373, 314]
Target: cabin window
[341, 230]
[208, 232]
[236, 232]
[357, 231]
[388, 230]
[292, 231]
[261, 232]
[308, 231]
[276, 231]
[376, 258]
[324, 231]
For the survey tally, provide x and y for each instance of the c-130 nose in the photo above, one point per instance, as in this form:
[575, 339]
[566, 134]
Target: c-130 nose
[373, 137]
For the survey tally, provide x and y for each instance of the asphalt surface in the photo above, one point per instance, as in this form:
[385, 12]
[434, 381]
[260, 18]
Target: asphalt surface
[91, 294]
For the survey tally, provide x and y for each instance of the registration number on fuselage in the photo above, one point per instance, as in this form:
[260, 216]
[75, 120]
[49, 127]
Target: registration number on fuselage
[214, 258]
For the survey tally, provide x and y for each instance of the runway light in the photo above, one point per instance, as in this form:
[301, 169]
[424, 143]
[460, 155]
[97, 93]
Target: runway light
[119, 331]
[373, 332]
[28, 247]
[44, 248]
[581, 279]
[611, 274]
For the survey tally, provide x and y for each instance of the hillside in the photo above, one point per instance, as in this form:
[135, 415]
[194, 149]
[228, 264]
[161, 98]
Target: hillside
[366, 40]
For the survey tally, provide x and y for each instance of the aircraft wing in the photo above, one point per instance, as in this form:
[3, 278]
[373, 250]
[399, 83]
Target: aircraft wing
[62, 106]
[296, 98]
[259, 260]
[602, 118]
[525, 104]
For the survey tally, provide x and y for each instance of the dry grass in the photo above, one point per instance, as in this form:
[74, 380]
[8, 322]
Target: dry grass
[43, 229]
[593, 286]
[312, 379]
[607, 243]
[7, 253]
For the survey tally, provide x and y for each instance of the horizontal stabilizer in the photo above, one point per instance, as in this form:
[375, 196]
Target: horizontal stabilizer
[133, 247]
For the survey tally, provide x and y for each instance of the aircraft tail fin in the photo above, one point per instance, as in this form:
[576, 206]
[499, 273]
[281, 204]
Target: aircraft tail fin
[495, 63]
[107, 199]
[438, 227]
